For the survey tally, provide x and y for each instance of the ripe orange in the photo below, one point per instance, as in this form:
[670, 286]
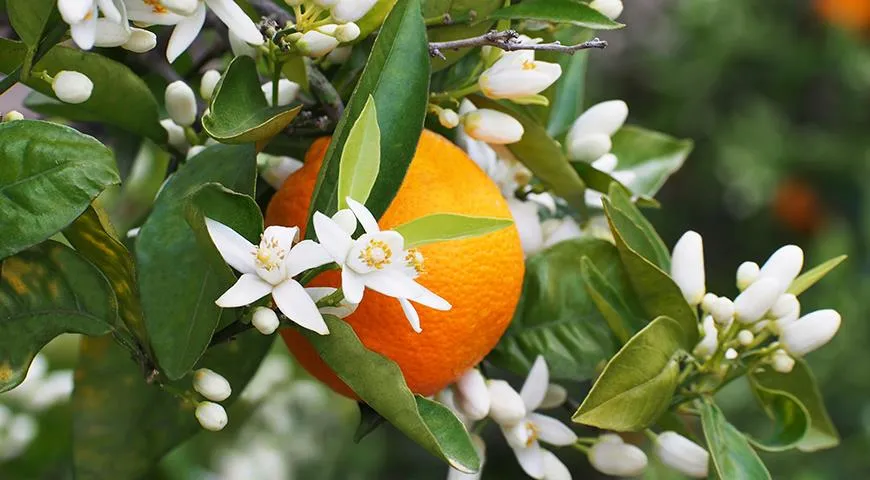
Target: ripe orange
[851, 14]
[481, 277]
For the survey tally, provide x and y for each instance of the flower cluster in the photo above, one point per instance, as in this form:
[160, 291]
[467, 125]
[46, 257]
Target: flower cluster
[214, 388]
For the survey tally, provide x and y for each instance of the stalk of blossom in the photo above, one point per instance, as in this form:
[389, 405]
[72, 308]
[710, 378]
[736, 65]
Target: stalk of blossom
[211, 416]
[72, 87]
[211, 385]
[610, 8]
[612, 456]
[180, 103]
[287, 92]
[316, 44]
[351, 10]
[784, 265]
[687, 267]
[492, 126]
[472, 395]
[269, 268]
[810, 332]
[754, 302]
[208, 83]
[517, 75]
[140, 41]
[342, 310]
[682, 454]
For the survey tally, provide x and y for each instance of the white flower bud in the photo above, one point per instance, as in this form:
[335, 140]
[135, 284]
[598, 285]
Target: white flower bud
[781, 361]
[211, 385]
[603, 118]
[785, 305]
[610, 8]
[328, 29]
[180, 103]
[588, 147]
[606, 163]
[472, 395]
[617, 458]
[723, 310]
[316, 44]
[347, 32]
[448, 118]
[72, 87]
[784, 266]
[682, 454]
[810, 332]
[211, 416]
[730, 354]
[492, 126]
[687, 267]
[707, 346]
[287, 91]
[181, 7]
[780, 323]
[239, 47]
[140, 41]
[516, 75]
[708, 301]
[751, 305]
[555, 396]
[554, 469]
[208, 83]
[275, 169]
[747, 273]
[13, 115]
[174, 133]
[506, 407]
[351, 10]
[339, 55]
[745, 337]
[194, 151]
[265, 320]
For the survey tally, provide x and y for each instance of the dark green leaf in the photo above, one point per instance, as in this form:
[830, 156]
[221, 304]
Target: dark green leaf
[360, 158]
[567, 102]
[48, 176]
[29, 18]
[638, 383]
[790, 418]
[622, 320]
[45, 291]
[731, 453]
[140, 187]
[810, 277]
[379, 382]
[369, 421]
[653, 249]
[373, 19]
[440, 227]
[239, 112]
[652, 156]
[558, 11]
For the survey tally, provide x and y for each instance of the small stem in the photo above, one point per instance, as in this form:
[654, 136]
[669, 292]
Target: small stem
[229, 332]
[455, 94]
[581, 447]
[587, 440]
[507, 40]
[276, 77]
[331, 300]
[650, 435]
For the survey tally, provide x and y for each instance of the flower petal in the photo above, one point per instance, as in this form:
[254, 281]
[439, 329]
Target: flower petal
[297, 305]
[535, 386]
[110, 10]
[184, 33]
[246, 291]
[332, 237]
[84, 33]
[139, 11]
[304, 255]
[552, 431]
[75, 11]
[353, 285]
[392, 283]
[431, 299]
[346, 219]
[365, 217]
[235, 249]
[284, 236]
[531, 459]
[362, 257]
[236, 20]
[411, 314]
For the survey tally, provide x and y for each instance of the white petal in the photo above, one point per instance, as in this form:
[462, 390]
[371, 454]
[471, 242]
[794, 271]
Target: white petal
[75, 11]
[184, 33]
[353, 285]
[306, 254]
[139, 11]
[234, 248]
[431, 300]
[411, 314]
[110, 10]
[111, 34]
[365, 217]
[553, 431]
[554, 469]
[535, 386]
[377, 250]
[246, 291]
[332, 237]
[84, 33]
[298, 306]
[346, 219]
[284, 236]
[392, 283]
[531, 459]
[236, 20]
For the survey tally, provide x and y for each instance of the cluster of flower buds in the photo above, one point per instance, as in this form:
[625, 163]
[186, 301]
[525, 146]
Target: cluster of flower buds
[321, 25]
[214, 388]
[611, 455]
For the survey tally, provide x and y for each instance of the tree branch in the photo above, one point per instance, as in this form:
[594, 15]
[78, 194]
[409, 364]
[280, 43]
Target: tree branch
[507, 40]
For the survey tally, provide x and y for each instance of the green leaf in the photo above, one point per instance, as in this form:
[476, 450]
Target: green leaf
[558, 11]
[29, 18]
[177, 280]
[440, 227]
[638, 383]
[369, 421]
[731, 453]
[462, 12]
[295, 70]
[360, 158]
[140, 187]
[239, 112]
[653, 248]
[397, 77]
[790, 418]
[567, 103]
[651, 156]
[542, 155]
[556, 318]
[48, 176]
[379, 382]
[120, 97]
[45, 291]
[373, 19]
[810, 277]
[801, 385]
[619, 316]
[122, 426]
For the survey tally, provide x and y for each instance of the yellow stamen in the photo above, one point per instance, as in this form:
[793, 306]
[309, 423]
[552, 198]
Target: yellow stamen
[156, 6]
[529, 65]
[376, 254]
[532, 431]
[414, 259]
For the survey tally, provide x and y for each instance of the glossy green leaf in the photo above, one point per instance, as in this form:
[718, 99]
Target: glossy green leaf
[122, 426]
[810, 277]
[637, 385]
[177, 280]
[651, 156]
[619, 316]
[295, 70]
[542, 155]
[730, 452]
[594, 178]
[29, 18]
[48, 176]
[467, 15]
[556, 318]
[45, 291]
[790, 417]
[397, 77]
[369, 421]
[567, 102]
[238, 111]
[801, 384]
[140, 187]
[374, 18]
[120, 97]
[360, 158]
[654, 248]
[440, 227]
[379, 382]
[558, 11]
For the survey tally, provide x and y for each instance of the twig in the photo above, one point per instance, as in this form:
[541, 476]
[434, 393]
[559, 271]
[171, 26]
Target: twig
[507, 40]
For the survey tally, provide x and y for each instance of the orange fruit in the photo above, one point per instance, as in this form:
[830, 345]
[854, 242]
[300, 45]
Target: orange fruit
[851, 14]
[481, 277]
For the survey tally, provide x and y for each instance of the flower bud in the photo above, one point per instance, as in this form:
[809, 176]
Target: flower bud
[175, 134]
[810, 332]
[339, 55]
[784, 266]
[180, 103]
[682, 454]
[731, 354]
[588, 147]
[140, 41]
[554, 469]
[516, 76]
[747, 273]
[506, 407]
[239, 47]
[745, 337]
[617, 458]
[211, 416]
[602, 118]
[781, 361]
[492, 126]
[751, 305]
[347, 32]
[448, 118]
[707, 346]
[287, 91]
[265, 320]
[194, 151]
[316, 44]
[555, 396]
[610, 8]
[606, 163]
[780, 323]
[208, 83]
[12, 115]
[328, 29]
[708, 301]
[785, 305]
[472, 395]
[72, 87]
[723, 311]
[275, 169]
[211, 385]
[351, 10]
[687, 267]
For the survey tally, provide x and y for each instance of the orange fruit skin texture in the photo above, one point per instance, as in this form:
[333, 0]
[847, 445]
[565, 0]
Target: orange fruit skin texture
[481, 277]
[852, 14]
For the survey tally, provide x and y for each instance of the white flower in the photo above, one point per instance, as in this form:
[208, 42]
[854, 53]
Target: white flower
[239, 47]
[72, 87]
[517, 74]
[492, 126]
[754, 302]
[555, 397]
[376, 260]
[448, 118]
[747, 273]
[783, 266]
[175, 134]
[612, 456]
[610, 8]
[211, 416]
[351, 10]
[480, 447]
[316, 44]
[472, 395]
[287, 91]
[339, 55]
[111, 34]
[180, 103]
[708, 301]
[270, 268]
[342, 310]
[208, 83]
[211, 385]
[525, 215]
[554, 469]
[687, 267]
[21, 430]
[276, 169]
[265, 320]
[723, 311]
[347, 32]
[810, 332]
[558, 230]
[682, 454]
[523, 437]
[506, 405]
[82, 16]
[140, 41]
[781, 361]
[586, 138]
[607, 164]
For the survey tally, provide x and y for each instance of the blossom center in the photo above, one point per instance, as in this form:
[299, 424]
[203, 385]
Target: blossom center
[269, 255]
[531, 433]
[156, 6]
[529, 65]
[376, 254]
[414, 259]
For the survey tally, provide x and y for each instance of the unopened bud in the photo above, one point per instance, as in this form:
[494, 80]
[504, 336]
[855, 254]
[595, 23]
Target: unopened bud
[448, 118]
[351, 10]
[610, 8]
[730, 354]
[472, 395]
[316, 44]
[617, 458]
[175, 134]
[588, 147]
[555, 396]
[723, 311]
[604, 118]
[747, 273]
[275, 169]
[810, 332]
[180, 103]
[708, 301]
[682, 454]
[781, 361]
[211, 416]
[72, 87]
[12, 115]
[194, 151]
[287, 91]
[784, 266]
[751, 305]
[140, 41]
[606, 163]
[211, 385]
[492, 126]
[506, 406]
[785, 305]
[687, 267]
[339, 55]
[347, 32]
[745, 337]
[208, 83]
[265, 320]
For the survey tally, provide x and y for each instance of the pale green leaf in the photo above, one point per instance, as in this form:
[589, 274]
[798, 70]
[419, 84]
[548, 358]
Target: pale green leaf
[440, 227]
[810, 277]
[361, 157]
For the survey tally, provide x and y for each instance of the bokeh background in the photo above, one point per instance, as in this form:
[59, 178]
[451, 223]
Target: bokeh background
[776, 96]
